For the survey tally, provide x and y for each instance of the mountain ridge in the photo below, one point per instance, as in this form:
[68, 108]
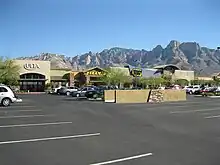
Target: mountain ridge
[186, 55]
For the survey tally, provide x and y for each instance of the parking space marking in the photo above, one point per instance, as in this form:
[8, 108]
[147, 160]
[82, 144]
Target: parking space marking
[28, 110]
[38, 124]
[23, 116]
[16, 106]
[211, 117]
[190, 102]
[123, 159]
[198, 110]
[50, 138]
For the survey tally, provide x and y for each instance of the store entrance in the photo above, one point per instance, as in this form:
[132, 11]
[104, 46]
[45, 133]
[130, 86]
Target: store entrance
[32, 82]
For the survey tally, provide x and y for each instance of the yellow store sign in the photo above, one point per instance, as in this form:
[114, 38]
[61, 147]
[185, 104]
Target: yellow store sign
[136, 72]
[95, 73]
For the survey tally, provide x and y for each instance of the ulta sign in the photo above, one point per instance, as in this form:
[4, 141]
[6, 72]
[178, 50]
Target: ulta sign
[31, 66]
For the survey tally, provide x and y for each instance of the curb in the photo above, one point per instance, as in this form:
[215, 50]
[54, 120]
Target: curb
[97, 99]
[213, 96]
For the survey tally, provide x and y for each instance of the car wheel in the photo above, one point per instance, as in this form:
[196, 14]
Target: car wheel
[67, 93]
[6, 102]
[190, 92]
[95, 96]
[77, 95]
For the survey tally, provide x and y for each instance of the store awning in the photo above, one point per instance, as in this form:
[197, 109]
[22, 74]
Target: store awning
[57, 78]
[33, 79]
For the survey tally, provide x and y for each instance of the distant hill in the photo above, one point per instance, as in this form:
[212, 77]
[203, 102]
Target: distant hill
[186, 55]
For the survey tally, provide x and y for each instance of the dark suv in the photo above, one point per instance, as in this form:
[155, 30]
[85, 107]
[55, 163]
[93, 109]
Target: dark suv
[95, 93]
[81, 92]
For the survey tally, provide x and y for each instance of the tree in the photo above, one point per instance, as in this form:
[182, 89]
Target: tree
[115, 77]
[9, 72]
[167, 80]
[182, 82]
[152, 82]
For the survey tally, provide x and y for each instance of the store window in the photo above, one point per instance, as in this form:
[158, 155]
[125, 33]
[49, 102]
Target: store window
[32, 76]
[32, 82]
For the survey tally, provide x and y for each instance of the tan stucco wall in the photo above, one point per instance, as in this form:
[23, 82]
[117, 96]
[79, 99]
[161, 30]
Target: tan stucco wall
[121, 69]
[132, 96]
[44, 67]
[174, 95]
[109, 96]
[205, 78]
[57, 72]
[183, 74]
[141, 96]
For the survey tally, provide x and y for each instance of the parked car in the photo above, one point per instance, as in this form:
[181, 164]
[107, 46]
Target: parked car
[200, 91]
[55, 90]
[7, 96]
[192, 89]
[81, 92]
[211, 91]
[95, 93]
[67, 90]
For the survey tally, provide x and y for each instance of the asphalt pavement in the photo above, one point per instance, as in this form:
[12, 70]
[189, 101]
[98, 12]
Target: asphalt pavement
[59, 130]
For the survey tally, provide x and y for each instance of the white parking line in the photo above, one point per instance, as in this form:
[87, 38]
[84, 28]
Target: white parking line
[123, 159]
[198, 110]
[32, 110]
[50, 138]
[23, 116]
[167, 107]
[29, 125]
[191, 102]
[24, 106]
[210, 117]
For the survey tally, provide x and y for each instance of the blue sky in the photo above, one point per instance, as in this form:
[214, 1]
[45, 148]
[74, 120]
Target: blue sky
[72, 27]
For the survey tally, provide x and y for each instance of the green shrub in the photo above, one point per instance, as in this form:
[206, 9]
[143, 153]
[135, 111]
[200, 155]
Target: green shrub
[208, 94]
[217, 93]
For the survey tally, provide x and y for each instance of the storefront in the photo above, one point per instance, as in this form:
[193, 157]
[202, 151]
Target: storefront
[60, 77]
[34, 75]
[93, 76]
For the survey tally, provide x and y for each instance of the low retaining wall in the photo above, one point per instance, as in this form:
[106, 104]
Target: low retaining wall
[156, 96]
[143, 96]
[109, 96]
[174, 95]
[132, 96]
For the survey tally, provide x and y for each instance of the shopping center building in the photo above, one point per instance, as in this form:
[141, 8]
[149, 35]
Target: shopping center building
[35, 74]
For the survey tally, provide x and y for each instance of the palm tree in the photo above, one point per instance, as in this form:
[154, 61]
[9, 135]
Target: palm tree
[9, 72]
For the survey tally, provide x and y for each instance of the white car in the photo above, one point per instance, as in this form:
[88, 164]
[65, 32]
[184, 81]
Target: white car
[192, 89]
[7, 96]
[55, 90]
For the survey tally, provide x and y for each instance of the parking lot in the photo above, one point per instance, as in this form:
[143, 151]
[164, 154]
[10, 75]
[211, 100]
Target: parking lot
[55, 130]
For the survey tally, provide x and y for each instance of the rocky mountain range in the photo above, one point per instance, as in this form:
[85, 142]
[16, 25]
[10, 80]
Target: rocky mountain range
[186, 55]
